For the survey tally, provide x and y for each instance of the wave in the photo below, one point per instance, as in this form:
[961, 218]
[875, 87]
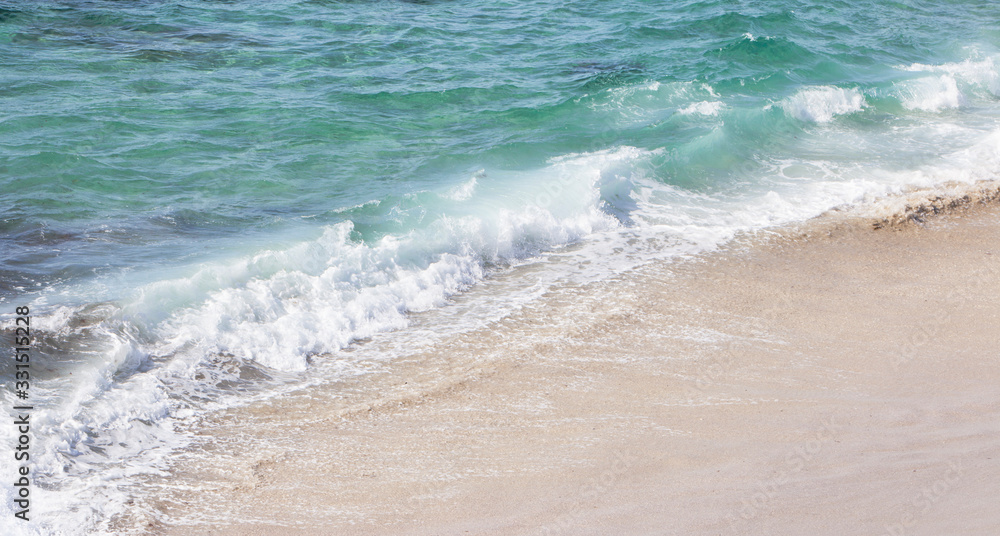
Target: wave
[950, 85]
[979, 72]
[933, 94]
[822, 104]
[707, 108]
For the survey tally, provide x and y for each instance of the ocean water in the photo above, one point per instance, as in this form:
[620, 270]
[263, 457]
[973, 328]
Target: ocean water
[209, 203]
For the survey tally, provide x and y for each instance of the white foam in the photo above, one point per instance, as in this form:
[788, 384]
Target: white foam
[821, 104]
[932, 94]
[701, 222]
[650, 102]
[977, 72]
[282, 319]
[708, 108]
[281, 307]
[618, 94]
[951, 85]
[84, 418]
[464, 191]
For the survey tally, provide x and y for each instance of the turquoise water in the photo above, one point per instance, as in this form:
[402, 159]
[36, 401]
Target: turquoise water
[272, 181]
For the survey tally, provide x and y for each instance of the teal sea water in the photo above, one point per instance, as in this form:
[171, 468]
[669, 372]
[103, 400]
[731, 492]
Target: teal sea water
[204, 203]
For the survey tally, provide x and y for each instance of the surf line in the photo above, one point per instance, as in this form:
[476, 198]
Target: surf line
[22, 377]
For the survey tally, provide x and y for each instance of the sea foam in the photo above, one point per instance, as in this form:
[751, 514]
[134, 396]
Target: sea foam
[821, 104]
[707, 108]
[948, 84]
[933, 94]
[977, 72]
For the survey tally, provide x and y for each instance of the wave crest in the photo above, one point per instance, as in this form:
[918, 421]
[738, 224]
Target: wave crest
[822, 104]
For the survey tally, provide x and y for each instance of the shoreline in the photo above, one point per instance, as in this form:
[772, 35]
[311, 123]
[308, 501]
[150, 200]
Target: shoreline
[811, 378]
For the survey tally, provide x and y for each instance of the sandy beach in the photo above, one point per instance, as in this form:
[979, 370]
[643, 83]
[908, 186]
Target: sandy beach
[837, 377]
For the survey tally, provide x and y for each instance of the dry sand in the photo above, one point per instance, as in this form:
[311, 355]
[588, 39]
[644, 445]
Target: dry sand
[833, 378]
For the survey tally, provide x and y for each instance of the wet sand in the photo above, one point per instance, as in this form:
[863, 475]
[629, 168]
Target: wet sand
[831, 378]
